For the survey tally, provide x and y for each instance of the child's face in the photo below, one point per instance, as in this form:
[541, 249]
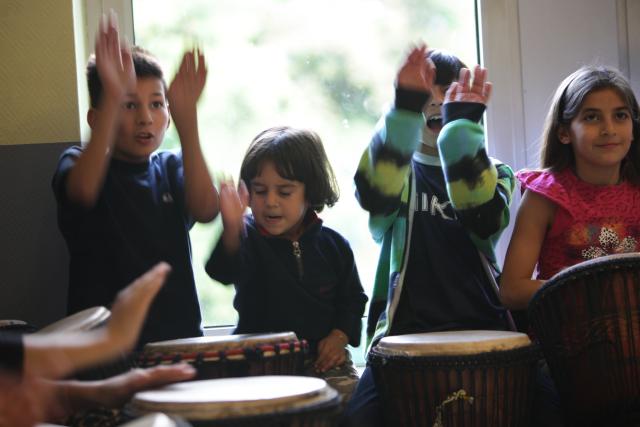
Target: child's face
[433, 115]
[144, 120]
[601, 133]
[278, 204]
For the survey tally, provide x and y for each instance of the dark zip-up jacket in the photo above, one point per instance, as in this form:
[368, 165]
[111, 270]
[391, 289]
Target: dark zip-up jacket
[309, 286]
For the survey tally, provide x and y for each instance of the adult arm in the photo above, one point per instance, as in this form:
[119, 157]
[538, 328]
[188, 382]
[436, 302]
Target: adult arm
[58, 354]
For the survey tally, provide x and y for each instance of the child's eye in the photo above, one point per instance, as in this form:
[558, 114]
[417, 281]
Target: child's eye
[590, 117]
[622, 115]
[285, 194]
[260, 192]
[130, 105]
[157, 104]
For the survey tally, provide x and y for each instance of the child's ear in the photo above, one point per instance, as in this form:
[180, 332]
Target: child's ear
[563, 135]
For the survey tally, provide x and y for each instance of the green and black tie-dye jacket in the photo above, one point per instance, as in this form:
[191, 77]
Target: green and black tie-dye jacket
[479, 189]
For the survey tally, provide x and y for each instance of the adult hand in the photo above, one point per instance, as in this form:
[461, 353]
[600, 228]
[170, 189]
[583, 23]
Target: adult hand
[464, 91]
[130, 308]
[24, 401]
[417, 72]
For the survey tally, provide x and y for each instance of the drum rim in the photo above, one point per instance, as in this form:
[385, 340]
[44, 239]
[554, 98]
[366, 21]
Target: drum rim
[217, 342]
[581, 270]
[494, 341]
[515, 356]
[315, 399]
[91, 318]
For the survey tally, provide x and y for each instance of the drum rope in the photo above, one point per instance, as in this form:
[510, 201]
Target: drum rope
[457, 395]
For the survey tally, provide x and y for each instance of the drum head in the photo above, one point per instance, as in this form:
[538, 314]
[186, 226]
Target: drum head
[218, 342]
[84, 320]
[155, 420]
[452, 343]
[235, 397]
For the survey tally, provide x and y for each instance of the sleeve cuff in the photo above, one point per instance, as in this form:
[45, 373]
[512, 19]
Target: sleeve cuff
[411, 100]
[462, 110]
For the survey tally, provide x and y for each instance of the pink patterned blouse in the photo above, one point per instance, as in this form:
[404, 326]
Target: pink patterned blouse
[590, 221]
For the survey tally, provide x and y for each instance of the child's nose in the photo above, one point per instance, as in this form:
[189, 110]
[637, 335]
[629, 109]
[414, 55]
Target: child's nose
[272, 199]
[144, 115]
[608, 127]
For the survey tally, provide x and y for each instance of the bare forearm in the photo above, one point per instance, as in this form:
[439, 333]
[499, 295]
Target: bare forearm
[200, 193]
[516, 294]
[87, 175]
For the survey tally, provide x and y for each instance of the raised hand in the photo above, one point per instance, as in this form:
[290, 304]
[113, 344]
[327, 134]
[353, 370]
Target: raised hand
[465, 91]
[113, 60]
[417, 72]
[186, 88]
[233, 203]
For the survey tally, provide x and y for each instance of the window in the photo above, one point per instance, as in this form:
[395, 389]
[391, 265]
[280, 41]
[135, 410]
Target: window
[328, 66]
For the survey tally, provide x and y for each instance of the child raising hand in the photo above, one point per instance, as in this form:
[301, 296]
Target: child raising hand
[291, 273]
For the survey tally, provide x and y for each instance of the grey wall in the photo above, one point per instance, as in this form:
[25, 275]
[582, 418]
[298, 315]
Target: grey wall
[33, 281]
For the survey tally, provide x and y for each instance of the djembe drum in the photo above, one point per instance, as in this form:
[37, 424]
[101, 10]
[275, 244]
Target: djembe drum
[16, 326]
[85, 320]
[264, 401]
[231, 355]
[458, 378]
[587, 319]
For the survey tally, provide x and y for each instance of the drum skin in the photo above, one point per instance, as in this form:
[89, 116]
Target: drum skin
[587, 319]
[265, 401]
[486, 388]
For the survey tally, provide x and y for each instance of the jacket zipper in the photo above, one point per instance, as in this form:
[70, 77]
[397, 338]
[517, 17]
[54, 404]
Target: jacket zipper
[297, 253]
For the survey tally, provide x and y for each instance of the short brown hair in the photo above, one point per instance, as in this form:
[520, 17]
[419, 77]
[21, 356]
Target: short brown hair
[297, 155]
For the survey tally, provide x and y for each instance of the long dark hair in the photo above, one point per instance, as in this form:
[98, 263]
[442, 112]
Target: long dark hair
[565, 106]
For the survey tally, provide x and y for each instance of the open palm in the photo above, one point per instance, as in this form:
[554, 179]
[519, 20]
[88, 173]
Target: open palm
[464, 90]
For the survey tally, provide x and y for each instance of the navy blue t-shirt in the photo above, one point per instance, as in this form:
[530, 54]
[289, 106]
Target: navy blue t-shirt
[445, 285]
[139, 219]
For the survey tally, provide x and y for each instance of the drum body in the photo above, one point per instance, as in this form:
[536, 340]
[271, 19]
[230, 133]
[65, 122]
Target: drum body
[460, 378]
[265, 401]
[231, 355]
[587, 319]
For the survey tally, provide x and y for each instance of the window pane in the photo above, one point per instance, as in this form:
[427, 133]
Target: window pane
[327, 65]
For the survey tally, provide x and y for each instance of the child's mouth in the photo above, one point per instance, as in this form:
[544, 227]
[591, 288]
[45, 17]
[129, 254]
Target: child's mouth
[144, 136]
[434, 123]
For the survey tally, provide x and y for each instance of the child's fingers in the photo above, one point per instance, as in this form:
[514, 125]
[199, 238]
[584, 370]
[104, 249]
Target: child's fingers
[479, 77]
[452, 92]
[486, 91]
[243, 191]
[464, 80]
[202, 66]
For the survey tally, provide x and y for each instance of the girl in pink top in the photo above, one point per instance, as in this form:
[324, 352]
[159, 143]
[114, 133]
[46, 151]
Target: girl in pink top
[585, 202]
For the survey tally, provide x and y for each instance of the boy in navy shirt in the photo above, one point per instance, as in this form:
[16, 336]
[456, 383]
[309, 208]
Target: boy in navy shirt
[122, 206]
